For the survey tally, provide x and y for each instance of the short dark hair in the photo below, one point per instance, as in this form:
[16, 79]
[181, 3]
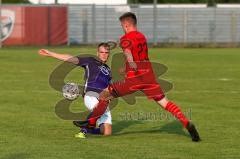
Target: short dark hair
[129, 16]
[104, 45]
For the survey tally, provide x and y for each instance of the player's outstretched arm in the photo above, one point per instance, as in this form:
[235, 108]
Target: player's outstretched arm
[129, 58]
[63, 57]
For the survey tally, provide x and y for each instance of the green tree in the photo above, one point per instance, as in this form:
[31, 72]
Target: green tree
[15, 1]
[209, 2]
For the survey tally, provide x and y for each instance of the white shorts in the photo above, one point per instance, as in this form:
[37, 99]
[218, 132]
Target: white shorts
[90, 101]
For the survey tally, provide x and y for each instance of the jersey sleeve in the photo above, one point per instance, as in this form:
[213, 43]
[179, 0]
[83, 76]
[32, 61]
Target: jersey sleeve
[110, 76]
[126, 44]
[83, 61]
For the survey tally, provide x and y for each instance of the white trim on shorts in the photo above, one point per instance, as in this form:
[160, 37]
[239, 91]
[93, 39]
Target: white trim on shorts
[90, 101]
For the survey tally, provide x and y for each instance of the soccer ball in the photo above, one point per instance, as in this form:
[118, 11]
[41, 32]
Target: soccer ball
[70, 91]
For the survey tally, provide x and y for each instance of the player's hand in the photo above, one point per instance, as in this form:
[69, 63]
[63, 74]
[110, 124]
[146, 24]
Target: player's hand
[133, 66]
[43, 52]
[122, 70]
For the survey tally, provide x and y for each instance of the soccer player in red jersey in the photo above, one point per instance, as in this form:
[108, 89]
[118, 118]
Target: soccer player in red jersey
[139, 76]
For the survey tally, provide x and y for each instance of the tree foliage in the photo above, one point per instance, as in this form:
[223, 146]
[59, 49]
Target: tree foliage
[15, 1]
[182, 1]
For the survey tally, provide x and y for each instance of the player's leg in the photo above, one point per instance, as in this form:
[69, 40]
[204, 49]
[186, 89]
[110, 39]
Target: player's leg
[106, 129]
[101, 106]
[105, 123]
[114, 90]
[155, 92]
[176, 111]
[90, 101]
[105, 95]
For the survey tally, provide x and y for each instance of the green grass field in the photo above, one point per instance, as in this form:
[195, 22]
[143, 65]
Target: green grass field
[206, 81]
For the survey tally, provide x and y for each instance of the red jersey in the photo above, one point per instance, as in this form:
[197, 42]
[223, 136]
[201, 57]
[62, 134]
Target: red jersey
[137, 43]
[143, 78]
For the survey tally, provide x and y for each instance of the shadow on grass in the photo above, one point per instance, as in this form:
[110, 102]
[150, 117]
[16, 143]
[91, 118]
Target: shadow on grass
[118, 126]
[171, 128]
[16, 156]
[121, 125]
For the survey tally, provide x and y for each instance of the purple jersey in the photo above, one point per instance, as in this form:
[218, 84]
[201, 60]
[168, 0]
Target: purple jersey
[97, 75]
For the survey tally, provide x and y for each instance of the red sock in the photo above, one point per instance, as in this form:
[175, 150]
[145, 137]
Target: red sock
[98, 111]
[175, 110]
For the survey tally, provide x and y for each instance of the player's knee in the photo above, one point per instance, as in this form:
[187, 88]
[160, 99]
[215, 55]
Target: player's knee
[107, 133]
[163, 102]
[106, 129]
[112, 91]
[104, 94]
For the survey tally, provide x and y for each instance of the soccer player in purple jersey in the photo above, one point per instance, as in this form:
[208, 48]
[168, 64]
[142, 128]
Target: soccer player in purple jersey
[97, 77]
[139, 76]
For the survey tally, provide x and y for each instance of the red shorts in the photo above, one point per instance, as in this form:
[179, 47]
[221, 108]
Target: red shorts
[142, 80]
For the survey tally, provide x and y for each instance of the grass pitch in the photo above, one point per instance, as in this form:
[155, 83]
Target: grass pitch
[206, 86]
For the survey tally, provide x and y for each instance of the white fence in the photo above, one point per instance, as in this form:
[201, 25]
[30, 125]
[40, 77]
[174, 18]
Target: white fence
[90, 24]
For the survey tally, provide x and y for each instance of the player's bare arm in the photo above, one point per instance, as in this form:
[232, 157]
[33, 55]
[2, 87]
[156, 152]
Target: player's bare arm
[129, 58]
[122, 70]
[63, 57]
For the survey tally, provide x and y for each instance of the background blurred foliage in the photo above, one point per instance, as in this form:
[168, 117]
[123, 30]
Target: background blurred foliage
[183, 1]
[15, 1]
